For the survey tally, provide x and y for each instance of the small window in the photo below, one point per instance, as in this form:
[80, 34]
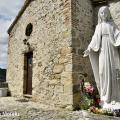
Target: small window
[29, 29]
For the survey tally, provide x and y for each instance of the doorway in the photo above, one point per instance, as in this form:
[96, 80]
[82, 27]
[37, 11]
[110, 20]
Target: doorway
[28, 62]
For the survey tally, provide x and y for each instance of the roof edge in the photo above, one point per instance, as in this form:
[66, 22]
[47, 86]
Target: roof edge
[27, 2]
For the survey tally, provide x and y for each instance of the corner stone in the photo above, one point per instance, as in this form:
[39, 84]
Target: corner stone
[58, 69]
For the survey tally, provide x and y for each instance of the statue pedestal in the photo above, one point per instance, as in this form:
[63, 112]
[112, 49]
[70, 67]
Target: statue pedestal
[113, 105]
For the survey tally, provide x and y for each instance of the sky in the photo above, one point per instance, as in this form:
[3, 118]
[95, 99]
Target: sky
[8, 11]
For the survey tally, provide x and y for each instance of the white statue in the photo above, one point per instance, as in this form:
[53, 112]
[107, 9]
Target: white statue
[105, 59]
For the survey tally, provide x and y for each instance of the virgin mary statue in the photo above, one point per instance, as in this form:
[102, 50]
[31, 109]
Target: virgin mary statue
[103, 52]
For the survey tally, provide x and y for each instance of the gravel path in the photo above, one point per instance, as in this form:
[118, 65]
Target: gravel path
[22, 109]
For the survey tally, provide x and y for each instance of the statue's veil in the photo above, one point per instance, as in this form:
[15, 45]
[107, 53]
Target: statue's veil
[109, 17]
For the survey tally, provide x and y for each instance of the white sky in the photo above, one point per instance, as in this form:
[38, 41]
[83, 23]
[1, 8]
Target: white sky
[8, 10]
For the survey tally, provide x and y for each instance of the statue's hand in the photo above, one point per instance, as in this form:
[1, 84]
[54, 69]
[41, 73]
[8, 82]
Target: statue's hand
[86, 53]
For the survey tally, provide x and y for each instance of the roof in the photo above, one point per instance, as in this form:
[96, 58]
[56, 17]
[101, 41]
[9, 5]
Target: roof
[27, 2]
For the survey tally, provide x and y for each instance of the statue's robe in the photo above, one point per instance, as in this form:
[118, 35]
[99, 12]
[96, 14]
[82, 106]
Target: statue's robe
[105, 61]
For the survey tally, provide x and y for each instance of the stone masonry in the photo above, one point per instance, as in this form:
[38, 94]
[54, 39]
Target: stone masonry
[62, 29]
[52, 52]
[82, 23]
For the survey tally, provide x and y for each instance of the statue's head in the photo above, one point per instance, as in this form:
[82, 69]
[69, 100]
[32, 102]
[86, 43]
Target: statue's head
[104, 14]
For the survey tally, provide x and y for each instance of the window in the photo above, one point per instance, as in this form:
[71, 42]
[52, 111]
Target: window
[29, 29]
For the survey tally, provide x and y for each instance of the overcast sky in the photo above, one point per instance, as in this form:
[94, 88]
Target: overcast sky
[8, 10]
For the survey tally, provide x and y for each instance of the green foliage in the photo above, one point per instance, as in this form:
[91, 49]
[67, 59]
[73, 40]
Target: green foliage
[108, 112]
[2, 74]
[86, 102]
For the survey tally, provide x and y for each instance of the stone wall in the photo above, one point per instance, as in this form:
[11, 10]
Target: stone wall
[58, 41]
[115, 11]
[82, 31]
[52, 52]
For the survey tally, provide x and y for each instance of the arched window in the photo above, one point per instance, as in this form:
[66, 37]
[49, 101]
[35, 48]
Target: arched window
[29, 29]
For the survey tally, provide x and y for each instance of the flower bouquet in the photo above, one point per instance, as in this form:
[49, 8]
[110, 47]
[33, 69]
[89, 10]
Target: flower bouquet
[89, 96]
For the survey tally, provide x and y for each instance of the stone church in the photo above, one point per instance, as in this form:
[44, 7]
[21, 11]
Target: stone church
[45, 49]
